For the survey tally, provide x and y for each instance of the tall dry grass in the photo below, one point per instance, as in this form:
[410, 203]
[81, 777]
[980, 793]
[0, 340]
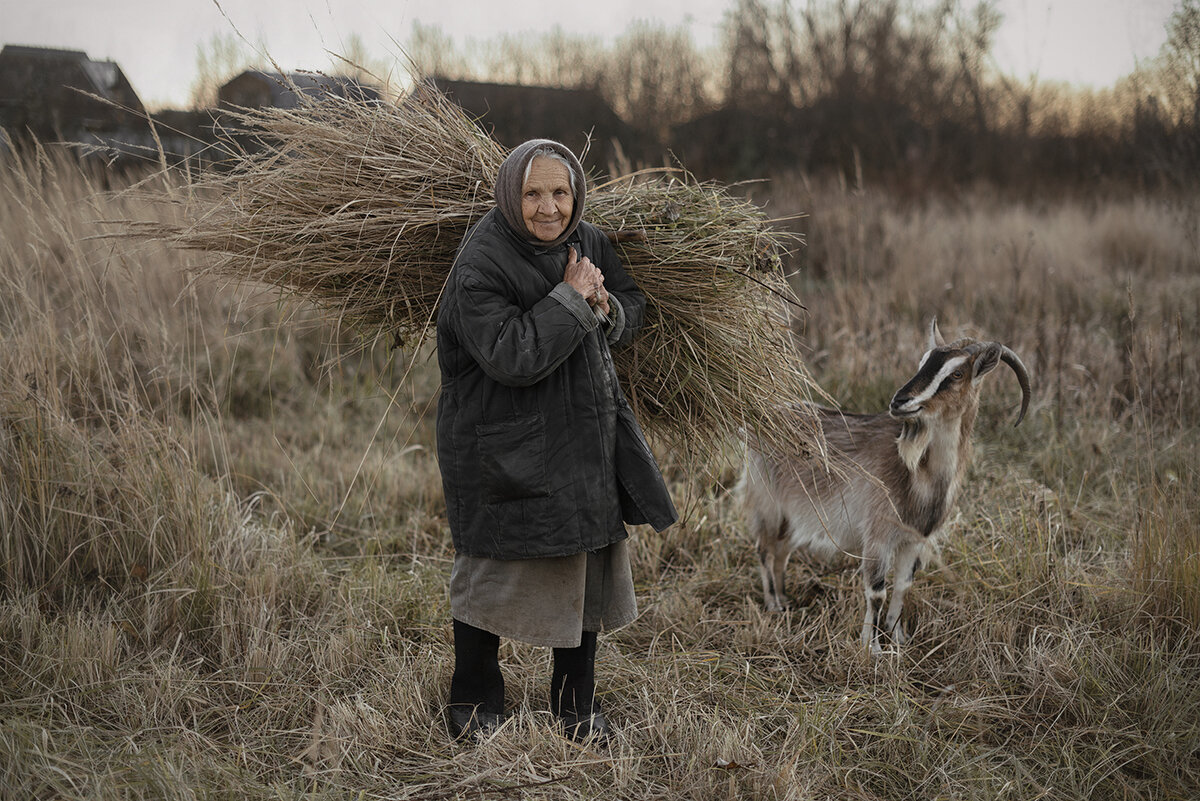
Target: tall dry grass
[225, 556]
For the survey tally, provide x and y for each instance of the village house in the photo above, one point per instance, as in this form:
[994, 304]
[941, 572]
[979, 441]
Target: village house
[53, 95]
[62, 95]
[512, 114]
[259, 89]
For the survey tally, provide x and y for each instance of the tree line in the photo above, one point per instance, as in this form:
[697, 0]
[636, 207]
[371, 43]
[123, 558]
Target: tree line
[889, 91]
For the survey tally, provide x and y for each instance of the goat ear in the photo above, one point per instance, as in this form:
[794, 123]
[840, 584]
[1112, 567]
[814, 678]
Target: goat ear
[987, 359]
[935, 336]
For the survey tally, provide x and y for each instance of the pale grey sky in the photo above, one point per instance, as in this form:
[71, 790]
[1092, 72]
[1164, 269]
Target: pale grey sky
[155, 41]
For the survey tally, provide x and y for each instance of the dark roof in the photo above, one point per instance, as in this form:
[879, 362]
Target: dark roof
[32, 51]
[257, 88]
[512, 114]
[46, 91]
[103, 78]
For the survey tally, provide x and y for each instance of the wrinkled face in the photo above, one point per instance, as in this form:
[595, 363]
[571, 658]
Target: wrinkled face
[546, 198]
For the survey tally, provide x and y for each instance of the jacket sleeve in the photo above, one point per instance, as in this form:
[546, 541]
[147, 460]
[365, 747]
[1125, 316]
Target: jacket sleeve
[514, 346]
[617, 282]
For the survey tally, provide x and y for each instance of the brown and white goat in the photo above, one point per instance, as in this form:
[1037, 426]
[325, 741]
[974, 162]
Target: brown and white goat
[891, 480]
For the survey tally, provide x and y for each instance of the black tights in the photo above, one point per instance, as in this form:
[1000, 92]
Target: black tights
[573, 684]
[477, 679]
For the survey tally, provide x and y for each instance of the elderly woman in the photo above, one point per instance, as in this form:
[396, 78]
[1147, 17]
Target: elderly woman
[542, 462]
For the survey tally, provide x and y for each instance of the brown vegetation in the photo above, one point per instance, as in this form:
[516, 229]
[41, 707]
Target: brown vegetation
[224, 554]
[223, 546]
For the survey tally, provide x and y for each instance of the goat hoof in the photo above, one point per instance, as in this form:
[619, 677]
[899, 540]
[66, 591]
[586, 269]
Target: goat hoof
[775, 605]
[878, 648]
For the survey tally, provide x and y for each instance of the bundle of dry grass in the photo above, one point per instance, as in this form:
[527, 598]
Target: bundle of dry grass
[360, 207]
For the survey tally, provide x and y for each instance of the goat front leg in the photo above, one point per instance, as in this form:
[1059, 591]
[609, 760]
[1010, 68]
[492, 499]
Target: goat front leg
[908, 562]
[874, 578]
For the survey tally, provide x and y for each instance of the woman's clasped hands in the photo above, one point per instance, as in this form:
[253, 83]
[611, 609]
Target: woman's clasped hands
[586, 278]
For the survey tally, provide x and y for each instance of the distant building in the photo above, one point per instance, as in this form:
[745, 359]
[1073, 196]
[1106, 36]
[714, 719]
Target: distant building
[62, 95]
[512, 114]
[186, 136]
[259, 89]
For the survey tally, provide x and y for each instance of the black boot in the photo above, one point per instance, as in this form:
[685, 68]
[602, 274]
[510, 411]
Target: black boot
[573, 691]
[477, 686]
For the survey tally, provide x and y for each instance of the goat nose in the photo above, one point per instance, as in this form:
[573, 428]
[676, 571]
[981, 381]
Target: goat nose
[900, 400]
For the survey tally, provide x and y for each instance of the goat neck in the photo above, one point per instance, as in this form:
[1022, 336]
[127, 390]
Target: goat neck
[936, 410]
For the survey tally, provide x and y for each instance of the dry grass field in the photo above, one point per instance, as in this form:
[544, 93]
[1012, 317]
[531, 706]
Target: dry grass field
[224, 557]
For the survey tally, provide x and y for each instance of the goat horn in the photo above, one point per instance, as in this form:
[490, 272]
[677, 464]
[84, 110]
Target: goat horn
[1014, 361]
[935, 336]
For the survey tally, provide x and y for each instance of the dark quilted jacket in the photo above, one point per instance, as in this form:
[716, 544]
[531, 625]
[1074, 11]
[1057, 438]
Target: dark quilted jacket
[529, 406]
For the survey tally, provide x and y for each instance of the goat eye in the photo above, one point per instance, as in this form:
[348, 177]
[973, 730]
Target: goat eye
[957, 375]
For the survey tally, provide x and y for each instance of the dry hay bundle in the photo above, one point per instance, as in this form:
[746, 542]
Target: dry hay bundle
[360, 208]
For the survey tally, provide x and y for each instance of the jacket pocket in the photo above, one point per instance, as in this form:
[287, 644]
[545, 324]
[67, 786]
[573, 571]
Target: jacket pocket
[512, 459]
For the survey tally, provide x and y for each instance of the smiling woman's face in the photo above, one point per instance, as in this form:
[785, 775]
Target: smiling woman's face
[546, 198]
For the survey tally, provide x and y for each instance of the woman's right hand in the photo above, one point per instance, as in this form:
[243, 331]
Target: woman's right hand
[586, 279]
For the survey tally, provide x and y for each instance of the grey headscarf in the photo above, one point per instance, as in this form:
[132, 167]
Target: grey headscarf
[511, 178]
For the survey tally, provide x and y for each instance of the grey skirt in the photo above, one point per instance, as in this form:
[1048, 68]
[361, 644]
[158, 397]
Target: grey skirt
[545, 601]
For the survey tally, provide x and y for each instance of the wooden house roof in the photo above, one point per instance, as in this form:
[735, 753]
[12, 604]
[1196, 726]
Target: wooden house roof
[259, 88]
[59, 94]
[513, 113]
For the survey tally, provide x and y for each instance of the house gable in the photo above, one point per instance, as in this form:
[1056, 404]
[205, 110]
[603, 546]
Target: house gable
[63, 95]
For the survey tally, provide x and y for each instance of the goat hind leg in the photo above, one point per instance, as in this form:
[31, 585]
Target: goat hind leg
[772, 559]
[766, 570]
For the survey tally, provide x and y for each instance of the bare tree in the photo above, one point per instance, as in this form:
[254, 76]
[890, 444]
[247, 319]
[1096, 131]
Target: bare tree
[755, 76]
[431, 51]
[553, 58]
[834, 38]
[972, 42]
[1166, 119]
[655, 77]
[1180, 59]
[354, 60]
